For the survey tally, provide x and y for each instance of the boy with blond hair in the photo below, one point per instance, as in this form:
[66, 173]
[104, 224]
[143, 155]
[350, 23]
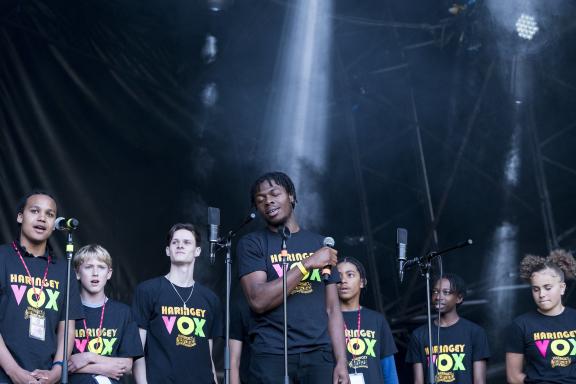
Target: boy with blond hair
[107, 340]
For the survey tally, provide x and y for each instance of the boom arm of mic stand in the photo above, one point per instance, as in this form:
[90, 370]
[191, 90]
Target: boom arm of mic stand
[424, 260]
[224, 241]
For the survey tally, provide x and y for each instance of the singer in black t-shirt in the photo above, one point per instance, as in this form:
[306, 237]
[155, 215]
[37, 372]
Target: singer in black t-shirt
[315, 323]
[459, 348]
[33, 285]
[178, 318]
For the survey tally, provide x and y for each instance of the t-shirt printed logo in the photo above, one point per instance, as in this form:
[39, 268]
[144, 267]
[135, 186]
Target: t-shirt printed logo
[98, 342]
[189, 323]
[560, 346]
[305, 285]
[448, 359]
[361, 343]
[43, 293]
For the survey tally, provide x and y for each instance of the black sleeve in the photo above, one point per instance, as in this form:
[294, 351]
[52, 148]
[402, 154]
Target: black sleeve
[415, 350]
[250, 255]
[130, 343]
[514, 339]
[4, 290]
[387, 345]
[481, 349]
[238, 324]
[143, 305]
[218, 323]
[75, 308]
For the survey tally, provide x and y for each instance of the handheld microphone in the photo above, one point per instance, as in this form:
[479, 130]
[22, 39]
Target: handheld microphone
[64, 224]
[213, 228]
[327, 270]
[401, 242]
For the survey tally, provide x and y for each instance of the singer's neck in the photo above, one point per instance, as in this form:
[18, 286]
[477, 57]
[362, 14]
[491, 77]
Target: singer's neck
[290, 223]
[97, 298]
[36, 249]
[448, 319]
[350, 305]
[181, 275]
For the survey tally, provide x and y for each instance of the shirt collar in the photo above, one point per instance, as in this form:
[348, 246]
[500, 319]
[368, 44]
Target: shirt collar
[25, 253]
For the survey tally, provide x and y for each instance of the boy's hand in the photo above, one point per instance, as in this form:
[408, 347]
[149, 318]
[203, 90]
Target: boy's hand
[79, 360]
[20, 376]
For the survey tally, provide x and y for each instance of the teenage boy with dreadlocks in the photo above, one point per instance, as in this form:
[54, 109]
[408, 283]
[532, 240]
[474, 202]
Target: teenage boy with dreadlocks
[461, 353]
[316, 351]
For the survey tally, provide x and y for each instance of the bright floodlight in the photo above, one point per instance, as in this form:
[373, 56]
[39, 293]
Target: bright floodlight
[526, 26]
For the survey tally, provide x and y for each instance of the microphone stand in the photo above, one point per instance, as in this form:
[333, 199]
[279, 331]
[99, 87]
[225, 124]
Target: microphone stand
[425, 264]
[69, 255]
[284, 263]
[226, 243]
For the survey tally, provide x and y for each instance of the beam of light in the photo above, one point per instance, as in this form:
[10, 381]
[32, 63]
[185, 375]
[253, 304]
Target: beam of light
[512, 165]
[296, 121]
[502, 264]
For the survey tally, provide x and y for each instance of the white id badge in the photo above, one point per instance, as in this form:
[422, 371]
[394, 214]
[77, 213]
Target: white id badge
[102, 379]
[37, 328]
[356, 378]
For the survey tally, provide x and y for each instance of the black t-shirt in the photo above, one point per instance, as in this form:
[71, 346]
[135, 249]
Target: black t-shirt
[41, 306]
[461, 345]
[365, 349]
[120, 336]
[307, 318]
[240, 315]
[177, 342]
[548, 344]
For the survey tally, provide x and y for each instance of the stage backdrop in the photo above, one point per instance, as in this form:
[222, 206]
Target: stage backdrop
[137, 115]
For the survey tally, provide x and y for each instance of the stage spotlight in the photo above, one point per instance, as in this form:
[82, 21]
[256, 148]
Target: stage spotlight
[219, 5]
[209, 95]
[526, 26]
[210, 49]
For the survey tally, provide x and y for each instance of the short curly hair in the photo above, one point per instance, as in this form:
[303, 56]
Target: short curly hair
[559, 260]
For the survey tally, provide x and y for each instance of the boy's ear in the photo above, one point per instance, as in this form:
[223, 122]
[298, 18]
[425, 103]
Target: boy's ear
[460, 299]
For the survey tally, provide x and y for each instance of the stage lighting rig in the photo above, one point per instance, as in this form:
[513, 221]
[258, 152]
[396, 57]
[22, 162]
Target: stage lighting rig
[526, 26]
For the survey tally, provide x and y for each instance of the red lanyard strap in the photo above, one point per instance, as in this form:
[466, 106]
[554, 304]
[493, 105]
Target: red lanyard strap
[37, 294]
[349, 337]
[99, 331]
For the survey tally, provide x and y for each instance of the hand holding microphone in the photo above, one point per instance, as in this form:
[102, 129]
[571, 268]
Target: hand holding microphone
[327, 270]
[324, 258]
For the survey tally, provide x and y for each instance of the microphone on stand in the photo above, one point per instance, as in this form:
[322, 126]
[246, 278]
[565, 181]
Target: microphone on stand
[213, 228]
[401, 242]
[64, 224]
[327, 270]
